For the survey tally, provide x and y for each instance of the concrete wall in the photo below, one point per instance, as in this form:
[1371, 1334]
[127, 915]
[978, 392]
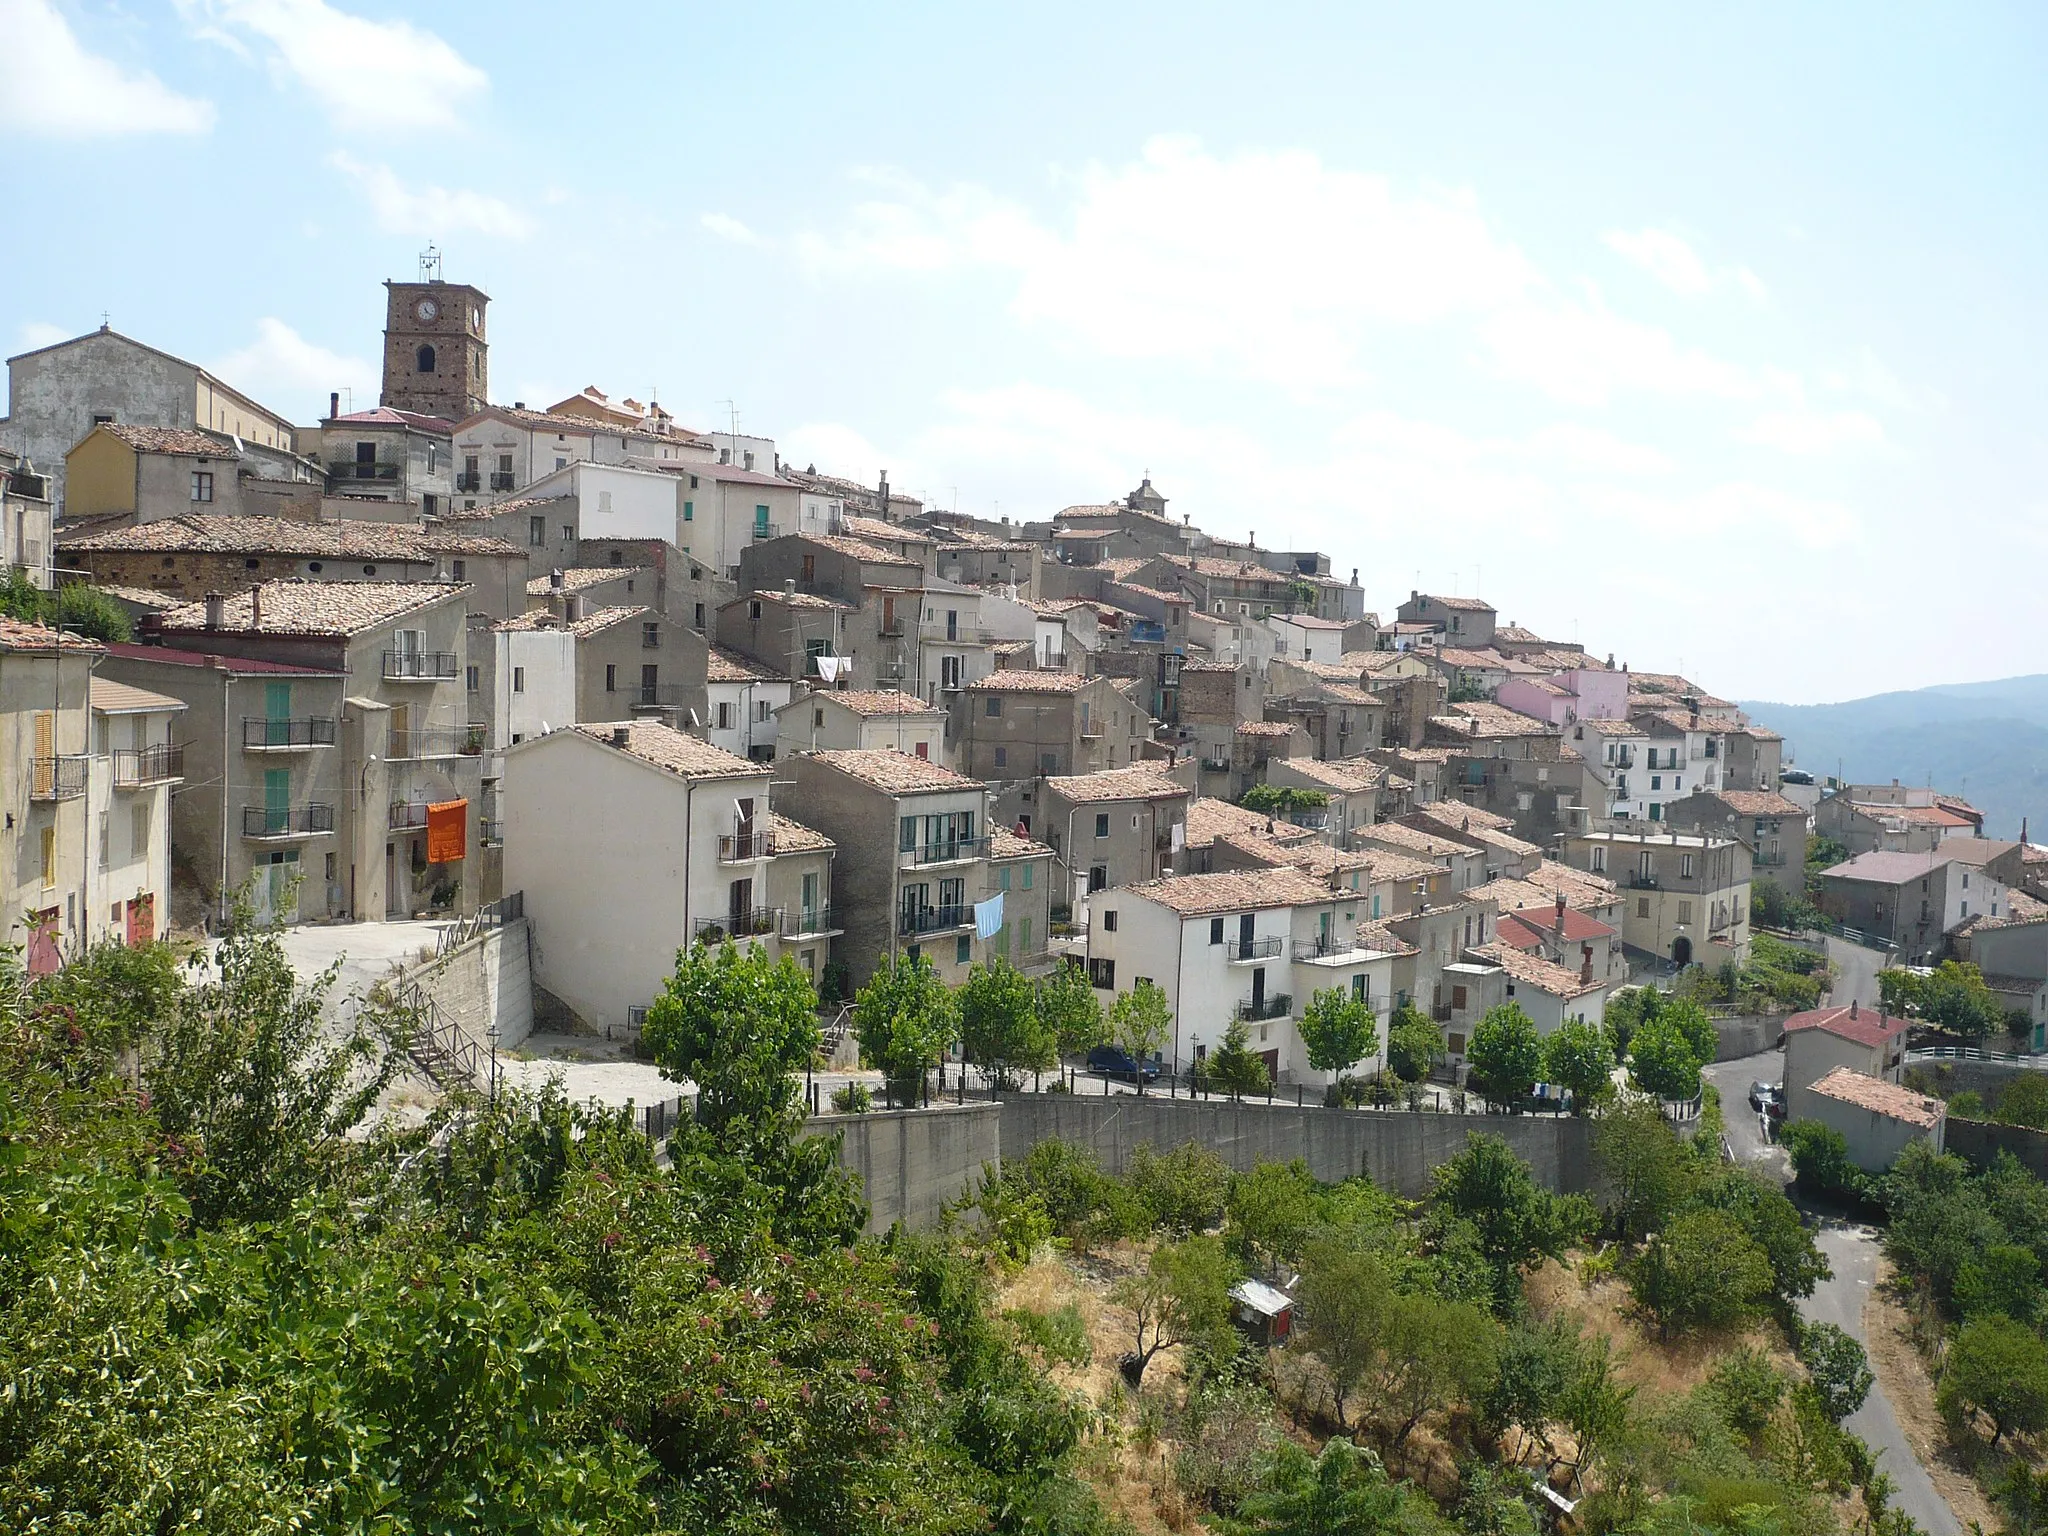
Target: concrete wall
[913, 1162]
[1745, 1034]
[487, 981]
[1978, 1142]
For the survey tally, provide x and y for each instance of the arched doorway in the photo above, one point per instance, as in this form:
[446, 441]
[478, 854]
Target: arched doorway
[1681, 951]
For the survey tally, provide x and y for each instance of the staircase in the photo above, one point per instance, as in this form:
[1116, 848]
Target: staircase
[447, 1056]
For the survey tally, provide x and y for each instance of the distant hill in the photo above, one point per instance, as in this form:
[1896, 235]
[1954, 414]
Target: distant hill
[1987, 742]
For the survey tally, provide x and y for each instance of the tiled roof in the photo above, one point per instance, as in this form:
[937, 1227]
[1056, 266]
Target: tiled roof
[1413, 840]
[895, 772]
[874, 528]
[573, 426]
[1209, 819]
[724, 666]
[1462, 604]
[215, 534]
[1581, 891]
[1006, 844]
[1849, 1086]
[1028, 682]
[1458, 816]
[317, 607]
[1342, 776]
[488, 510]
[595, 622]
[868, 701]
[1135, 783]
[578, 577]
[786, 836]
[1264, 728]
[731, 474]
[164, 655]
[387, 416]
[1375, 934]
[112, 698]
[1237, 570]
[1535, 971]
[673, 751]
[1515, 634]
[1761, 802]
[1615, 728]
[1536, 925]
[1482, 718]
[186, 442]
[1311, 858]
[1886, 867]
[141, 597]
[1866, 1026]
[2021, 910]
[859, 549]
[787, 599]
[1236, 891]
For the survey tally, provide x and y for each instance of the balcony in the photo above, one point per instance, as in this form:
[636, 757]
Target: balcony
[501, 480]
[1312, 818]
[1243, 951]
[810, 922]
[767, 531]
[1053, 661]
[1642, 882]
[1336, 948]
[909, 924]
[300, 735]
[959, 850]
[656, 695]
[1767, 860]
[471, 481]
[283, 823]
[57, 778]
[890, 629]
[491, 833]
[139, 767]
[1624, 759]
[752, 923]
[407, 816]
[1278, 1006]
[745, 847]
[421, 666]
[356, 469]
[424, 741]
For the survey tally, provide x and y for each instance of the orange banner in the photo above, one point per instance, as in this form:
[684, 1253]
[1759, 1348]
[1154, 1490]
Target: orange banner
[447, 831]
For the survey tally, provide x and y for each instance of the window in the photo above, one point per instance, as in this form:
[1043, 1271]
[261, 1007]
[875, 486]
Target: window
[1002, 879]
[906, 834]
[1102, 824]
[817, 719]
[1656, 812]
[505, 464]
[1599, 860]
[1098, 877]
[1109, 922]
[1361, 988]
[106, 842]
[470, 678]
[761, 529]
[1642, 906]
[650, 637]
[611, 678]
[761, 712]
[560, 462]
[1657, 781]
[753, 610]
[202, 485]
[568, 529]
[724, 716]
[993, 707]
[1101, 973]
[1048, 762]
[1457, 997]
[1027, 886]
[962, 950]
[690, 508]
[519, 679]
[49, 850]
[138, 830]
[423, 360]
[924, 749]
[536, 531]
[460, 569]
[1685, 911]
[1002, 757]
[1685, 866]
[698, 622]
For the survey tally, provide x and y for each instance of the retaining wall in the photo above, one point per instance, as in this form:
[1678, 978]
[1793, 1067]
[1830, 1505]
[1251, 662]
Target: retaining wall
[914, 1162]
[487, 980]
[1745, 1034]
[1978, 1142]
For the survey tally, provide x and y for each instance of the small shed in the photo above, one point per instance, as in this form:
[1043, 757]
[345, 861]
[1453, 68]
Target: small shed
[1876, 1118]
[1264, 1312]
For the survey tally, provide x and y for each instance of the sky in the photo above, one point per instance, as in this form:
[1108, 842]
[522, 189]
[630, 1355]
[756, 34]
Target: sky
[1708, 338]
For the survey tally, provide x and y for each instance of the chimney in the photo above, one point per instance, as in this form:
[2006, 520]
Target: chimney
[789, 586]
[1855, 1005]
[1585, 965]
[621, 734]
[556, 579]
[572, 607]
[333, 404]
[518, 405]
[1354, 575]
[256, 607]
[216, 605]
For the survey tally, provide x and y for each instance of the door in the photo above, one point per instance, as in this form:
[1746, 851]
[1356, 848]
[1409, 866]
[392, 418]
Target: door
[142, 919]
[650, 683]
[277, 714]
[277, 800]
[1258, 989]
[743, 828]
[810, 903]
[401, 730]
[275, 889]
[953, 900]
[739, 908]
[1244, 934]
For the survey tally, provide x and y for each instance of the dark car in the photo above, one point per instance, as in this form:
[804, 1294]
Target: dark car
[1114, 1061]
[1767, 1099]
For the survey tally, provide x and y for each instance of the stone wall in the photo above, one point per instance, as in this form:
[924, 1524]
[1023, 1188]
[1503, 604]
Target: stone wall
[486, 981]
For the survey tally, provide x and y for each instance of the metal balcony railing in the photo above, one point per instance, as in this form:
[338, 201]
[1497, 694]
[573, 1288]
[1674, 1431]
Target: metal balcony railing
[1278, 1006]
[308, 820]
[356, 469]
[57, 778]
[889, 629]
[421, 666]
[407, 814]
[470, 481]
[744, 847]
[1441, 1013]
[1326, 948]
[438, 741]
[262, 735]
[800, 922]
[501, 480]
[753, 923]
[1638, 881]
[1315, 818]
[656, 695]
[491, 833]
[1767, 858]
[137, 766]
[1252, 949]
[948, 852]
[932, 920]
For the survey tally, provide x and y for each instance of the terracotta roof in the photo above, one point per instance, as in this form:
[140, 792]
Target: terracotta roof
[895, 772]
[1236, 891]
[787, 599]
[1006, 844]
[1532, 926]
[732, 474]
[141, 597]
[595, 622]
[673, 751]
[186, 442]
[164, 655]
[1239, 570]
[1462, 604]
[868, 701]
[1482, 718]
[1515, 634]
[859, 549]
[724, 666]
[1342, 776]
[1375, 934]
[2021, 910]
[1264, 728]
[317, 607]
[17, 635]
[1848, 1086]
[1028, 682]
[1535, 971]
[786, 836]
[1887, 867]
[112, 698]
[213, 533]
[1581, 891]
[578, 577]
[1617, 728]
[1761, 802]
[488, 510]
[1866, 1026]
[572, 426]
[1458, 816]
[388, 416]
[1413, 840]
[1209, 819]
[875, 528]
[1138, 782]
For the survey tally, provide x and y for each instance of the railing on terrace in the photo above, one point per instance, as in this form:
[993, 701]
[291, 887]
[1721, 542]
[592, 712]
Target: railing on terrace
[932, 920]
[438, 741]
[57, 778]
[754, 922]
[1252, 949]
[1325, 948]
[947, 852]
[491, 833]
[264, 735]
[136, 766]
[656, 695]
[469, 482]
[1638, 881]
[421, 666]
[508, 908]
[407, 814]
[356, 469]
[1278, 1006]
[744, 847]
[501, 480]
[287, 821]
[797, 921]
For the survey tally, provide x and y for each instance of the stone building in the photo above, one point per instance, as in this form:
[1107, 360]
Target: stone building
[436, 358]
[1018, 725]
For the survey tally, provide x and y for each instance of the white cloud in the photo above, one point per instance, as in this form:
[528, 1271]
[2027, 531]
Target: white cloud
[293, 374]
[375, 75]
[1813, 432]
[429, 210]
[1674, 263]
[1583, 352]
[56, 89]
[726, 227]
[40, 333]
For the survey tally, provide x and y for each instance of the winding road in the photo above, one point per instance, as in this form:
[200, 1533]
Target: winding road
[1851, 1251]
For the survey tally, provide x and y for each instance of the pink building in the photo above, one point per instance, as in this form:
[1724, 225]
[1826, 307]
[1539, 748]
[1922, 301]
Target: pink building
[1583, 693]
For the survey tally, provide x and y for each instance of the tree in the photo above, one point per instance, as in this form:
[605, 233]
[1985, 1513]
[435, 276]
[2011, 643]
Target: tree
[1691, 1021]
[1337, 1030]
[1576, 1057]
[1414, 1044]
[1836, 1367]
[1773, 1224]
[1139, 1022]
[1956, 998]
[1270, 1213]
[1702, 1271]
[1534, 1366]
[81, 609]
[1624, 1015]
[1070, 1010]
[1000, 1028]
[1433, 1354]
[1183, 1192]
[906, 1019]
[1899, 991]
[1339, 1491]
[1649, 1172]
[1506, 1053]
[1234, 1067]
[1661, 1061]
[2006, 1279]
[2024, 1101]
[1748, 1390]
[1340, 1307]
[1820, 1159]
[1182, 1296]
[1998, 1368]
[1518, 1224]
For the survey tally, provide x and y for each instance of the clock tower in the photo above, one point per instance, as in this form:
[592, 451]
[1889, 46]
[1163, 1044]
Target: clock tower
[436, 361]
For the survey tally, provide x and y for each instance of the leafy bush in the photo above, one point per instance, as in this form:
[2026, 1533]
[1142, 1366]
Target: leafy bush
[852, 1099]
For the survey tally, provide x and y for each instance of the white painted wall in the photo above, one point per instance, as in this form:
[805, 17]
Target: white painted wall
[751, 708]
[548, 700]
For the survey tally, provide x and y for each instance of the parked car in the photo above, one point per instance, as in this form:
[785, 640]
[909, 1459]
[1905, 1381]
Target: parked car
[1115, 1061]
[1767, 1099]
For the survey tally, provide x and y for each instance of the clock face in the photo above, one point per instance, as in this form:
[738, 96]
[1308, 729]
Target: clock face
[426, 309]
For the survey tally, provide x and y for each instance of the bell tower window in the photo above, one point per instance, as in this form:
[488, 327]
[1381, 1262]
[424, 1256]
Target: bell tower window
[425, 360]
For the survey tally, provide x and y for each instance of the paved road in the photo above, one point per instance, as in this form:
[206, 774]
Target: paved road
[1746, 1137]
[1852, 1250]
[1856, 971]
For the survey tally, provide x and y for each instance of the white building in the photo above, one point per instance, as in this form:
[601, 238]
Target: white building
[616, 501]
[135, 766]
[744, 696]
[725, 509]
[862, 719]
[1304, 637]
[533, 680]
